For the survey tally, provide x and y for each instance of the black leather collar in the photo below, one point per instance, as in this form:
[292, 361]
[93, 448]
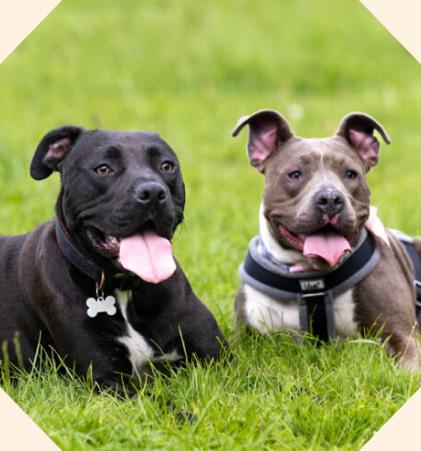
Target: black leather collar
[75, 256]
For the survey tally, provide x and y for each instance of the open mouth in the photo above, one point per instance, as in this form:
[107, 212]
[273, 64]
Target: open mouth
[295, 240]
[105, 244]
[326, 245]
[144, 253]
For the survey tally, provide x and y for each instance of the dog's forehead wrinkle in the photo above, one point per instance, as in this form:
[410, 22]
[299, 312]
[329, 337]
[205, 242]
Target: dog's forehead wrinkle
[304, 150]
[332, 164]
[131, 146]
[115, 137]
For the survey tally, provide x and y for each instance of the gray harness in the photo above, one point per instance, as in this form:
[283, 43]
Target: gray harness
[313, 291]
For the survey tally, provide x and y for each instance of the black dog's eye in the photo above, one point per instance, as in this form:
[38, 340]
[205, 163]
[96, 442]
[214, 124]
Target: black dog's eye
[103, 169]
[295, 175]
[350, 174]
[167, 167]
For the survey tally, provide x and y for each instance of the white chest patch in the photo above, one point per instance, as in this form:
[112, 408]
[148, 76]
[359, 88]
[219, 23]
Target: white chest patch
[344, 313]
[267, 314]
[140, 352]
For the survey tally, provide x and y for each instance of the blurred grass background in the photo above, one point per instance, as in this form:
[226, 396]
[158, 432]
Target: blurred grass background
[189, 70]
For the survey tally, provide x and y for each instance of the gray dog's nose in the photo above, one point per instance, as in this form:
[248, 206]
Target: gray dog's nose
[330, 201]
[150, 193]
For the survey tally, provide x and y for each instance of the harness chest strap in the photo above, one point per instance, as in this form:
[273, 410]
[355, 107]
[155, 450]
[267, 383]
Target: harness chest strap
[313, 291]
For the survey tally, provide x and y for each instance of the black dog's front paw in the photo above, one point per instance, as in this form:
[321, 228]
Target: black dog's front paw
[182, 416]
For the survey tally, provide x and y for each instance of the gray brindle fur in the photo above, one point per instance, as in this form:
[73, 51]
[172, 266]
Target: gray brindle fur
[305, 180]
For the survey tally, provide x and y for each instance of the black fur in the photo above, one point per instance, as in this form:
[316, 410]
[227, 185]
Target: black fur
[43, 295]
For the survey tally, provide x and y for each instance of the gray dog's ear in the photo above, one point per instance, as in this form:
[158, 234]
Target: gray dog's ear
[268, 130]
[358, 130]
[52, 150]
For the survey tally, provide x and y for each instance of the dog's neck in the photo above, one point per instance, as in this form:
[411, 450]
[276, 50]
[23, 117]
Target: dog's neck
[281, 254]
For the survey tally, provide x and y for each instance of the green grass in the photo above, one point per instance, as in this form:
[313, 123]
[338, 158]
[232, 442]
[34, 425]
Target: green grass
[189, 70]
[272, 395]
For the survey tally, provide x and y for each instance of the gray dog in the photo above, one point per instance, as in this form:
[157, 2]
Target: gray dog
[323, 262]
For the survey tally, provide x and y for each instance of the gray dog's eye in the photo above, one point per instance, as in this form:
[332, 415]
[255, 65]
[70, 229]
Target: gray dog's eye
[295, 174]
[350, 174]
[167, 167]
[103, 169]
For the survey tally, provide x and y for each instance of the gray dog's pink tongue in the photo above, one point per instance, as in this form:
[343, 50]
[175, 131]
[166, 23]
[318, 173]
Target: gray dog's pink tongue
[328, 245]
[148, 255]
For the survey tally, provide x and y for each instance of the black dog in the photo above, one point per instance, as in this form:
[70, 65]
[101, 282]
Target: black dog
[98, 283]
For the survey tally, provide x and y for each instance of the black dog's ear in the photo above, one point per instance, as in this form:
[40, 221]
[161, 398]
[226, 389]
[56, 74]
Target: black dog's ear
[52, 149]
[268, 130]
[358, 130]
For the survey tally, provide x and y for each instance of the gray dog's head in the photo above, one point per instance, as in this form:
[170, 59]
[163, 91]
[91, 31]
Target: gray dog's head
[114, 185]
[316, 198]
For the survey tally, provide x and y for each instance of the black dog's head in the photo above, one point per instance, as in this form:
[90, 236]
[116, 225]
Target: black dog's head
[114, 185]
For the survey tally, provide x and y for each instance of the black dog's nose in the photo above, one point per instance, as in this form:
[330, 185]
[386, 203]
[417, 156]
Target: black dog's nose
[150, 193]
[330, 201]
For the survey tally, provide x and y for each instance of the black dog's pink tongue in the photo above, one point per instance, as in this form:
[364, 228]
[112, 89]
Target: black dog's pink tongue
[148, 255]
[328, 245]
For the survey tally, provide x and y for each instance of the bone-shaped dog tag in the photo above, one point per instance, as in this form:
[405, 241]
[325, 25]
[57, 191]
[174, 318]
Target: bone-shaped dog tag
[101, 305]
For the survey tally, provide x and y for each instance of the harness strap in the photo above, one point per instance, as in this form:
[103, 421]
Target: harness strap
[317, 316]
[416, 261]
[266, 277]
[408, 244]
[313, 291]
